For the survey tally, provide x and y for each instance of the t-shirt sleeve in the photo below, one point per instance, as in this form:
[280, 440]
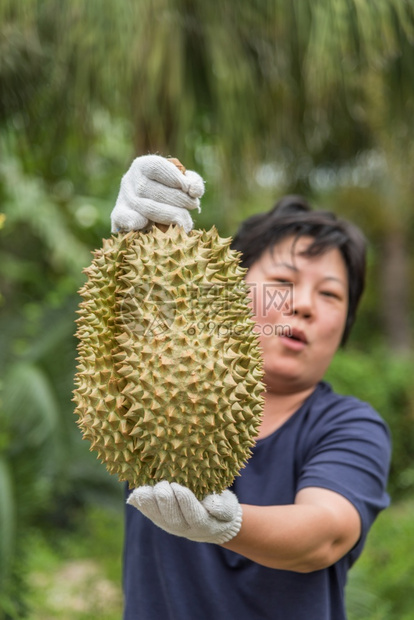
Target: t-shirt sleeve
[349, 453]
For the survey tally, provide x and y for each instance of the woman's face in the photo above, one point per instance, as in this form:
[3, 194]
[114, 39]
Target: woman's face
[300, 305]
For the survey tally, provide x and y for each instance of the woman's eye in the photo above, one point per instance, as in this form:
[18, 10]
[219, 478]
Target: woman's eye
[330, 294]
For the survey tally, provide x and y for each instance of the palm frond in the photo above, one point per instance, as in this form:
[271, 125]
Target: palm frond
[189, 74]
[31, 406]
[29, 202]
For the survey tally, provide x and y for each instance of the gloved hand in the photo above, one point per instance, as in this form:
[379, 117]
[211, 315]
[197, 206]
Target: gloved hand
[155, 190]
[175, 509]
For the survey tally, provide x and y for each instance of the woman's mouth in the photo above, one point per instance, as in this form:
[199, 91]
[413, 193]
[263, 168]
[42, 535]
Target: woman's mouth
[295, 339]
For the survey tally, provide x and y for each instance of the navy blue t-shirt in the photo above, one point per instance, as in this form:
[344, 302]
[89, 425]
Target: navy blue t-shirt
[331, 441]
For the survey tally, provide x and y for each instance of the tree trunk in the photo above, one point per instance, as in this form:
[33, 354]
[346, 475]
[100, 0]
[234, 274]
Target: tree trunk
[395, 295]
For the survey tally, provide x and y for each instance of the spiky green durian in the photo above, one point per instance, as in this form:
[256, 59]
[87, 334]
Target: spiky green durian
[169, 376]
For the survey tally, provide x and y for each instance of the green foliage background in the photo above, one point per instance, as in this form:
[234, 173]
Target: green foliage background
[273, 96]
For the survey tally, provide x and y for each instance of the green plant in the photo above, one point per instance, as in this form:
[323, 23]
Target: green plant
[380, 584]
[384, 381]
[76, 574]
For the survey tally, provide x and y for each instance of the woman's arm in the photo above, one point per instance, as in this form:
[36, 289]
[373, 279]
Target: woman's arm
[309, 535]
[313, 533]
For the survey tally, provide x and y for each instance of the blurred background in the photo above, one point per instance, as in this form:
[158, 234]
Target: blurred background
[261, 97]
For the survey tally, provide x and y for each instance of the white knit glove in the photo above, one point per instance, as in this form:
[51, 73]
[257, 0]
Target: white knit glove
[175, 509]
[155, 190]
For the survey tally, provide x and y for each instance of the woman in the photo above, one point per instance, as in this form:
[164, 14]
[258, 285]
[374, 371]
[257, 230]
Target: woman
[278, 545]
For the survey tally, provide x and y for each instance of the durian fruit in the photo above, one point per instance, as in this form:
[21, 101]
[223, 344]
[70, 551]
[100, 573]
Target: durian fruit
[169, 378]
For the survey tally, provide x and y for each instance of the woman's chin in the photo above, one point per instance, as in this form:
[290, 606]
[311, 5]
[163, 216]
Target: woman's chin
[286, 380]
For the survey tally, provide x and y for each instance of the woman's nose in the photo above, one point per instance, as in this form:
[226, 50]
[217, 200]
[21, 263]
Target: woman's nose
[302, 303]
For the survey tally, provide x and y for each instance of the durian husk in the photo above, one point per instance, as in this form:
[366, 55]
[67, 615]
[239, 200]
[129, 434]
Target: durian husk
[169, 377]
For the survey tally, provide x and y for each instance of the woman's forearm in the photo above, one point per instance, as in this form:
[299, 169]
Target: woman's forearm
[300, 537]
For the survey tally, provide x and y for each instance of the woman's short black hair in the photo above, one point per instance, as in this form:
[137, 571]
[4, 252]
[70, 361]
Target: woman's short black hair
[293, 216]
